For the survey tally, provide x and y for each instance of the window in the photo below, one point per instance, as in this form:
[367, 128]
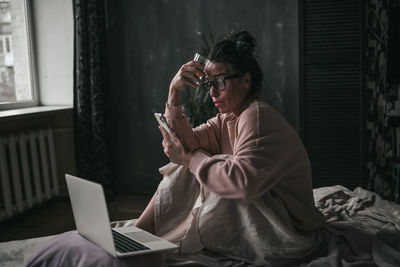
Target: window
[17, 73]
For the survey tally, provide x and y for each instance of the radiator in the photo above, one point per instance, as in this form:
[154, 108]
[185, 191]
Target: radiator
[28, 171]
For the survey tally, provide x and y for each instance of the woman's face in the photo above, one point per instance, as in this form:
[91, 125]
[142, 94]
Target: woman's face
[234, 97]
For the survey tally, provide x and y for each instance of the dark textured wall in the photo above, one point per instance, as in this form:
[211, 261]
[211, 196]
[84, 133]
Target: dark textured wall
[382, 99]
[150, 39]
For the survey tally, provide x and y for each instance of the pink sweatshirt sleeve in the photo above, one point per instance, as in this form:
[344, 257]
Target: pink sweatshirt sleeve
[206, 136]
[266, 149]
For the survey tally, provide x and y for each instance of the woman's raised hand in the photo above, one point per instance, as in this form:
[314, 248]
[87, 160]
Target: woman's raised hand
[189, 74]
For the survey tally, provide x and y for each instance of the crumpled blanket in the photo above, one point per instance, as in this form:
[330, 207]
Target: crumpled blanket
[364, 229]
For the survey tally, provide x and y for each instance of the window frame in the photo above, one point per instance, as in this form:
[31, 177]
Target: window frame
[32, 66]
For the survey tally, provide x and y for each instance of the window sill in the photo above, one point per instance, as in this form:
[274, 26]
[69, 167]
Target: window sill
[30, 112]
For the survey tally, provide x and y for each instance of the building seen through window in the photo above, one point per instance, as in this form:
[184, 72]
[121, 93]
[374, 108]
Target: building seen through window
[16, 79]
[7, 84]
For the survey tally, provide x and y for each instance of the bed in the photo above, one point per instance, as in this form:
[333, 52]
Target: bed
[364, 231]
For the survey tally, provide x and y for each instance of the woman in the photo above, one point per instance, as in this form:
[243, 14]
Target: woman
[243, 188]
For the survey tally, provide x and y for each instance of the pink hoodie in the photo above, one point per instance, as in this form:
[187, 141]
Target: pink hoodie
[244, 157]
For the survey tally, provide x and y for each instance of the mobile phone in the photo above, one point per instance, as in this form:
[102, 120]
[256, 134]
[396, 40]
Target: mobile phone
[163, 123]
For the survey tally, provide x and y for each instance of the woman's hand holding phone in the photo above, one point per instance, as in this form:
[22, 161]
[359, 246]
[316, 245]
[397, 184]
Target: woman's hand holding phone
[163, 123]
[172, 144]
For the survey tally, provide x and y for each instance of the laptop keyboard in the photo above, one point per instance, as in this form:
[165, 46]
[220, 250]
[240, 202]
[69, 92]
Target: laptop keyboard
[124, 244]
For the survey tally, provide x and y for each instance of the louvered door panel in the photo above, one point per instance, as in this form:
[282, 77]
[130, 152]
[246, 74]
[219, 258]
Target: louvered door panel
[331, 91]
[331, 26]
[332, 132]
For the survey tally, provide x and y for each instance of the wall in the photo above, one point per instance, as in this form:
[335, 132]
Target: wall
[52, 22]
[54, 43]
[149, 40]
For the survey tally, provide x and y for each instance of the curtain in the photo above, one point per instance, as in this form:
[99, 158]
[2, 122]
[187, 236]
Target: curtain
[90, 87]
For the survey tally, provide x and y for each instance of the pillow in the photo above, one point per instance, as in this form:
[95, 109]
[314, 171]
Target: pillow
[72, 249]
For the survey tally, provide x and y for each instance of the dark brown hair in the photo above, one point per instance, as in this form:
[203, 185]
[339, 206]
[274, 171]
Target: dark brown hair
[237, 49]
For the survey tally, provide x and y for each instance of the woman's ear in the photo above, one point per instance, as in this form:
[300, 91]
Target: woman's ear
[247, 79]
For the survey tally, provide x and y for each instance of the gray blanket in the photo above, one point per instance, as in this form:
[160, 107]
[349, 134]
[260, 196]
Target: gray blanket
[363, 230]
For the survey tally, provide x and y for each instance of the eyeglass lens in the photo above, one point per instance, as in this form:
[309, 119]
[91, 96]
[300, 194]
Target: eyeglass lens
[219, 84]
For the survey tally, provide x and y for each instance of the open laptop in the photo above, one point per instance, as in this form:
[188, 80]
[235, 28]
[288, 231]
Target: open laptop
[92, 221]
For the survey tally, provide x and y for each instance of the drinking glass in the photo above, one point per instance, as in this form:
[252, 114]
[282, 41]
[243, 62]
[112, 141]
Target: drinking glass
[202, 59]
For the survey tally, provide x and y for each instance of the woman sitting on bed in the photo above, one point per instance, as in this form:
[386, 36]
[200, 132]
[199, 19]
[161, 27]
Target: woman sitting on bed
[241, 183]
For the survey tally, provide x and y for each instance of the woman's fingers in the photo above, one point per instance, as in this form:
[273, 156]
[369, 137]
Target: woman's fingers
[169, 138]
[190, 82]
[174, 148]
[167, 141]
[192, 70]
[175, 137]
[193, 66]
[189, 74]
[165, 134]
[192, 76]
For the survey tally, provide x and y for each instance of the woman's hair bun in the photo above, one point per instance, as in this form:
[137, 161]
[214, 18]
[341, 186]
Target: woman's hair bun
[244, 42]
[237, 50]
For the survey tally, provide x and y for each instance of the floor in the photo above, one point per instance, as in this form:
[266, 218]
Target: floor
[55, 217]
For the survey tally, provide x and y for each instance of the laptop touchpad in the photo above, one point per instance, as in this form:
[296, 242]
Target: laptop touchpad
[143, 237]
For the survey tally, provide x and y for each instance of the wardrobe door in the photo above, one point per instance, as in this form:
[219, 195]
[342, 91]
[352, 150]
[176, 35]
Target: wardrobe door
[331, 38]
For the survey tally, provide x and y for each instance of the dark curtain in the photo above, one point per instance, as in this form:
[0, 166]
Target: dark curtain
[90, 87]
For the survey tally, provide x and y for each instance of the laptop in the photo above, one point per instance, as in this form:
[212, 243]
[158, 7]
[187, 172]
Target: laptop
[92, 221]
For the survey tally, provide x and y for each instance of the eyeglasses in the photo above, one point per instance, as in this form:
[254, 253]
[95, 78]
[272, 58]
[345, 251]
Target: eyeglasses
[219, 83]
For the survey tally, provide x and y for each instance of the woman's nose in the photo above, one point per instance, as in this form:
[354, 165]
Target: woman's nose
[213, 91]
